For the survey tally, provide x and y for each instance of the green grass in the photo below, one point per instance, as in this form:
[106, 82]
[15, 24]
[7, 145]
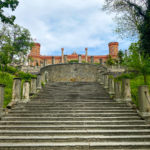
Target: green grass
[7, 79]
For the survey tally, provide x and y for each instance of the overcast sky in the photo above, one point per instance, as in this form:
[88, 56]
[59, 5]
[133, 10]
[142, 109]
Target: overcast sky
[72, 24]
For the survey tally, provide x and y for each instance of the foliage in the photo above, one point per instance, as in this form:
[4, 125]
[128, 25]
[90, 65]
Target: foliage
[133, 19]
[7, 79]
[121, 57]
[73, 61]
[137, 62]
[110, 61]
[15, 42]
[11, 4]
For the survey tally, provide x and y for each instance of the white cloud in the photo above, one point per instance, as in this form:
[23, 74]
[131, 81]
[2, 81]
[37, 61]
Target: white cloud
[72, 24]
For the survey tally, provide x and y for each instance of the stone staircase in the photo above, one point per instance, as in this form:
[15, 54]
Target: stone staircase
[73, 116]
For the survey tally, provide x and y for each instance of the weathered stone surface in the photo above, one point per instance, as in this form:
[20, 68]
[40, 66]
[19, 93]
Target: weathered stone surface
[144, 101]
[106, 81]
[33, 86]
[16, 93]
[80, 59]
[126, 90]
[71, 73]
[111, 86]
[26, 91]
[118, 91]
[39, 86]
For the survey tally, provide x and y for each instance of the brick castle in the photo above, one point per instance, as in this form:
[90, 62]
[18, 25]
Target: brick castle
[39, 60]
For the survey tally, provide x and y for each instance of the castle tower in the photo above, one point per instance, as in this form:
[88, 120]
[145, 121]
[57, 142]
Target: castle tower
[86, 54]
[113, 49]
[35, 50]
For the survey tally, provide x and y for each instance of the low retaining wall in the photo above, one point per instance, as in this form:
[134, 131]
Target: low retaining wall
[71, 72]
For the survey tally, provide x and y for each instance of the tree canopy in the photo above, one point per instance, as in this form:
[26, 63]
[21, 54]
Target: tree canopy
[133, 19]
[15, 42]
[10, 4]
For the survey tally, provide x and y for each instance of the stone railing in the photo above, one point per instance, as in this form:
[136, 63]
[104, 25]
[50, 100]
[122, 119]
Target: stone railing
[22, 94]
[120, 91]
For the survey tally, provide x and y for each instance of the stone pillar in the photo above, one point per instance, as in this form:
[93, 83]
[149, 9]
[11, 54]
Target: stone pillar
[92, 59]
[106, 81]
[118, 92]
[26, 91]
[46, 76]
[101, 61]
[126, 90]
[86, 55]
[45, 62]
[39, 86]
[79, 59]
[16, 93]
[65, 59]
[111, 86]
[144, 102]
[1, 99]
[33, 86]
[43, 77]
[53, 60]
[62, 55]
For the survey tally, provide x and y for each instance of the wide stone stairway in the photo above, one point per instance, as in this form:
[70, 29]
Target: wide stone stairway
[73, 116]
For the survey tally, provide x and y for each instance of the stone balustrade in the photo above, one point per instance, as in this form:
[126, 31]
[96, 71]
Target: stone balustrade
[121, 90]
[1, 99]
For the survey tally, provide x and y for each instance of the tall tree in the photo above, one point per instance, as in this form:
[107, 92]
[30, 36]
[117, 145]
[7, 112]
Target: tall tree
[15, 41]
[133, 19]
[10, 4]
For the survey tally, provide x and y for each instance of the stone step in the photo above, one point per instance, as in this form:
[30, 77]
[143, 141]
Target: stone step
[60, 114]
[74, 108]
[73, 111]
[76, 146]
[72, 127]
[73, 132]
[79, 138]
[73, 122]
[72, 118]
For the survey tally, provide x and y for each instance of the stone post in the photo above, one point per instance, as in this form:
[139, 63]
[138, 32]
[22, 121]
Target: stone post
[106, 81]
[118, 94]
[101, 61]
[102, 79]
[144, 102]
[46, 76]
[45, 62]
[62, 55]
[43, 77]
[111, 86]
[126, 90]
[53, 60]
[33, 86]
[79, 59]
[92, 59]
[65, 59]
[86, 55]
[39, 86]
[26, 91]
[16, 93]
[1, 99]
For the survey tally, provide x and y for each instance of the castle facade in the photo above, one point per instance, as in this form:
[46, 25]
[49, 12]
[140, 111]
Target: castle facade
[38, 60]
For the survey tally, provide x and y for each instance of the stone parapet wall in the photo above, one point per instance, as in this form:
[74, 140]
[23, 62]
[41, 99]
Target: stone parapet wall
[71, 72]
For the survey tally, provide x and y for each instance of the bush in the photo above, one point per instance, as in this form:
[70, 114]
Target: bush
[73, 61]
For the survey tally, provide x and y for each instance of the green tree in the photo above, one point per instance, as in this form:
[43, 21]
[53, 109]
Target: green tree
[121, 56]
[110, 61]
[139, 63]
[15, 41]
[10, 4]
[133, 19]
